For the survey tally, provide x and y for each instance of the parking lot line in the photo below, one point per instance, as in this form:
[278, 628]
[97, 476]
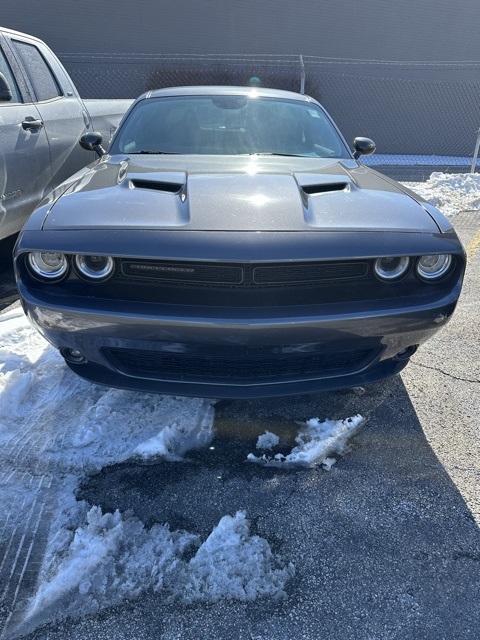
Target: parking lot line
[473, 246]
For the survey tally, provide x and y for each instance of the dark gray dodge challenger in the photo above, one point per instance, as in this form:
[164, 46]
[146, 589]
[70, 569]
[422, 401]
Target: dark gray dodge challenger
[230, 245]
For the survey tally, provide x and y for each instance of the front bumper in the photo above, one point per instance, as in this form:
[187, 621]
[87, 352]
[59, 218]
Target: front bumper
[350, 345]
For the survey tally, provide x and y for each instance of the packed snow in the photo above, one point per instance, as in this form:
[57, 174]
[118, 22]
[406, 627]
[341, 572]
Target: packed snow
[83, 427]
[450, 193]
[111, 557]
[316, 442]
[54, 429]
[267, 440]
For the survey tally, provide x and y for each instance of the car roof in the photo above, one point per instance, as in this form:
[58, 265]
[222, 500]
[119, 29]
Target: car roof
[226, 90]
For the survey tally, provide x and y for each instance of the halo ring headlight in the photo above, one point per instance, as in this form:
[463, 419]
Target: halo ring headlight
[389, 268]
[48, 265]
[434, 267]
[94, 267]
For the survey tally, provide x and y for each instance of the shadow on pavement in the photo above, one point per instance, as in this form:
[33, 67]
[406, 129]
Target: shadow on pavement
[384, 545]
[8, 289]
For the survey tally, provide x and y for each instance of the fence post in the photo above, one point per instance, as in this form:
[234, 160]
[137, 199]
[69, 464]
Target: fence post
[475, 154]
[302, 77]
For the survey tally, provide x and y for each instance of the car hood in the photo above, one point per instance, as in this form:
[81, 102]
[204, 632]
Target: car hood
[221, 193]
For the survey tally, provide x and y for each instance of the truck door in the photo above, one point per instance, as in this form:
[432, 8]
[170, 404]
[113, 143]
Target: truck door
[63, 113]
[25, 170]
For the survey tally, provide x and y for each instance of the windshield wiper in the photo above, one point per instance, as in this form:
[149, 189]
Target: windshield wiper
[274, 153]
[259, 153]
[167, 153]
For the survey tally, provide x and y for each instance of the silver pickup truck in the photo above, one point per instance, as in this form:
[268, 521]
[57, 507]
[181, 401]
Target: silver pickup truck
[41, 119]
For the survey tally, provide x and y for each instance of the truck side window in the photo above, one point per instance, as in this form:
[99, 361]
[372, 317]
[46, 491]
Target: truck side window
[7, 72]
[43, 81]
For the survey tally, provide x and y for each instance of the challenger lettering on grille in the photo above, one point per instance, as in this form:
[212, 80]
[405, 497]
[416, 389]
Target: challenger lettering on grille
[141, 268]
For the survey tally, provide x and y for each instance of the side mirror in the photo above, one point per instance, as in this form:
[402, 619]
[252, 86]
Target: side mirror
[92, 141]
[5, 91]
[363, 147]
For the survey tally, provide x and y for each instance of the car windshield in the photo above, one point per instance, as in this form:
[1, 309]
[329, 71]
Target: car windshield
[229, 125]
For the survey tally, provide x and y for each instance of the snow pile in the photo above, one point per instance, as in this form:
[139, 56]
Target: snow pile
[55, 428]
[84, 427]
[267, 441]
[14, 390]
[173, 442]
[235, 565]
[112, 558]
[451, 193]
[121, 425]
[316, 441]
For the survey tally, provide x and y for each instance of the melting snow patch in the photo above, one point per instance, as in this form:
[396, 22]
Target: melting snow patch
[316, 442]
[451, 193]
[174, 440]
[268, 440]
[14, 389]
[234, 565]
[112, 557]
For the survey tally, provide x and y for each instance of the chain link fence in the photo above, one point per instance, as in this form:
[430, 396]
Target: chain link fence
[409, 117]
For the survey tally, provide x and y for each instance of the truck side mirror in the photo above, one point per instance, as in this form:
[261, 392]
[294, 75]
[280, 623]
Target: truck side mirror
[5, 91]
[92, 141]
[363, 147]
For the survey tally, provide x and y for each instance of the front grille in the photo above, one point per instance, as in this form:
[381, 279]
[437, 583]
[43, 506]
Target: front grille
[243, 369]
[244, 276]
[183, 272]
[309, 272]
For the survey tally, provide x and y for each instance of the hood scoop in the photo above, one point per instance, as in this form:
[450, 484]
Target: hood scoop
[312, 184]
[155, 185]
[313, 189]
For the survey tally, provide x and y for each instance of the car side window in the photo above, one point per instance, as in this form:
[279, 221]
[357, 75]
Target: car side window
[44, 82]
[7, 72]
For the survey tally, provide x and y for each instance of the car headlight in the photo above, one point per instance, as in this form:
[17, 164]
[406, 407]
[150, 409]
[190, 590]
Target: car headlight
[389, 269]
[48, 265]
[95, 267]
[434, 267]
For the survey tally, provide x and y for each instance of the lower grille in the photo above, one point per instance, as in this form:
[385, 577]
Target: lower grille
[250, 369]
